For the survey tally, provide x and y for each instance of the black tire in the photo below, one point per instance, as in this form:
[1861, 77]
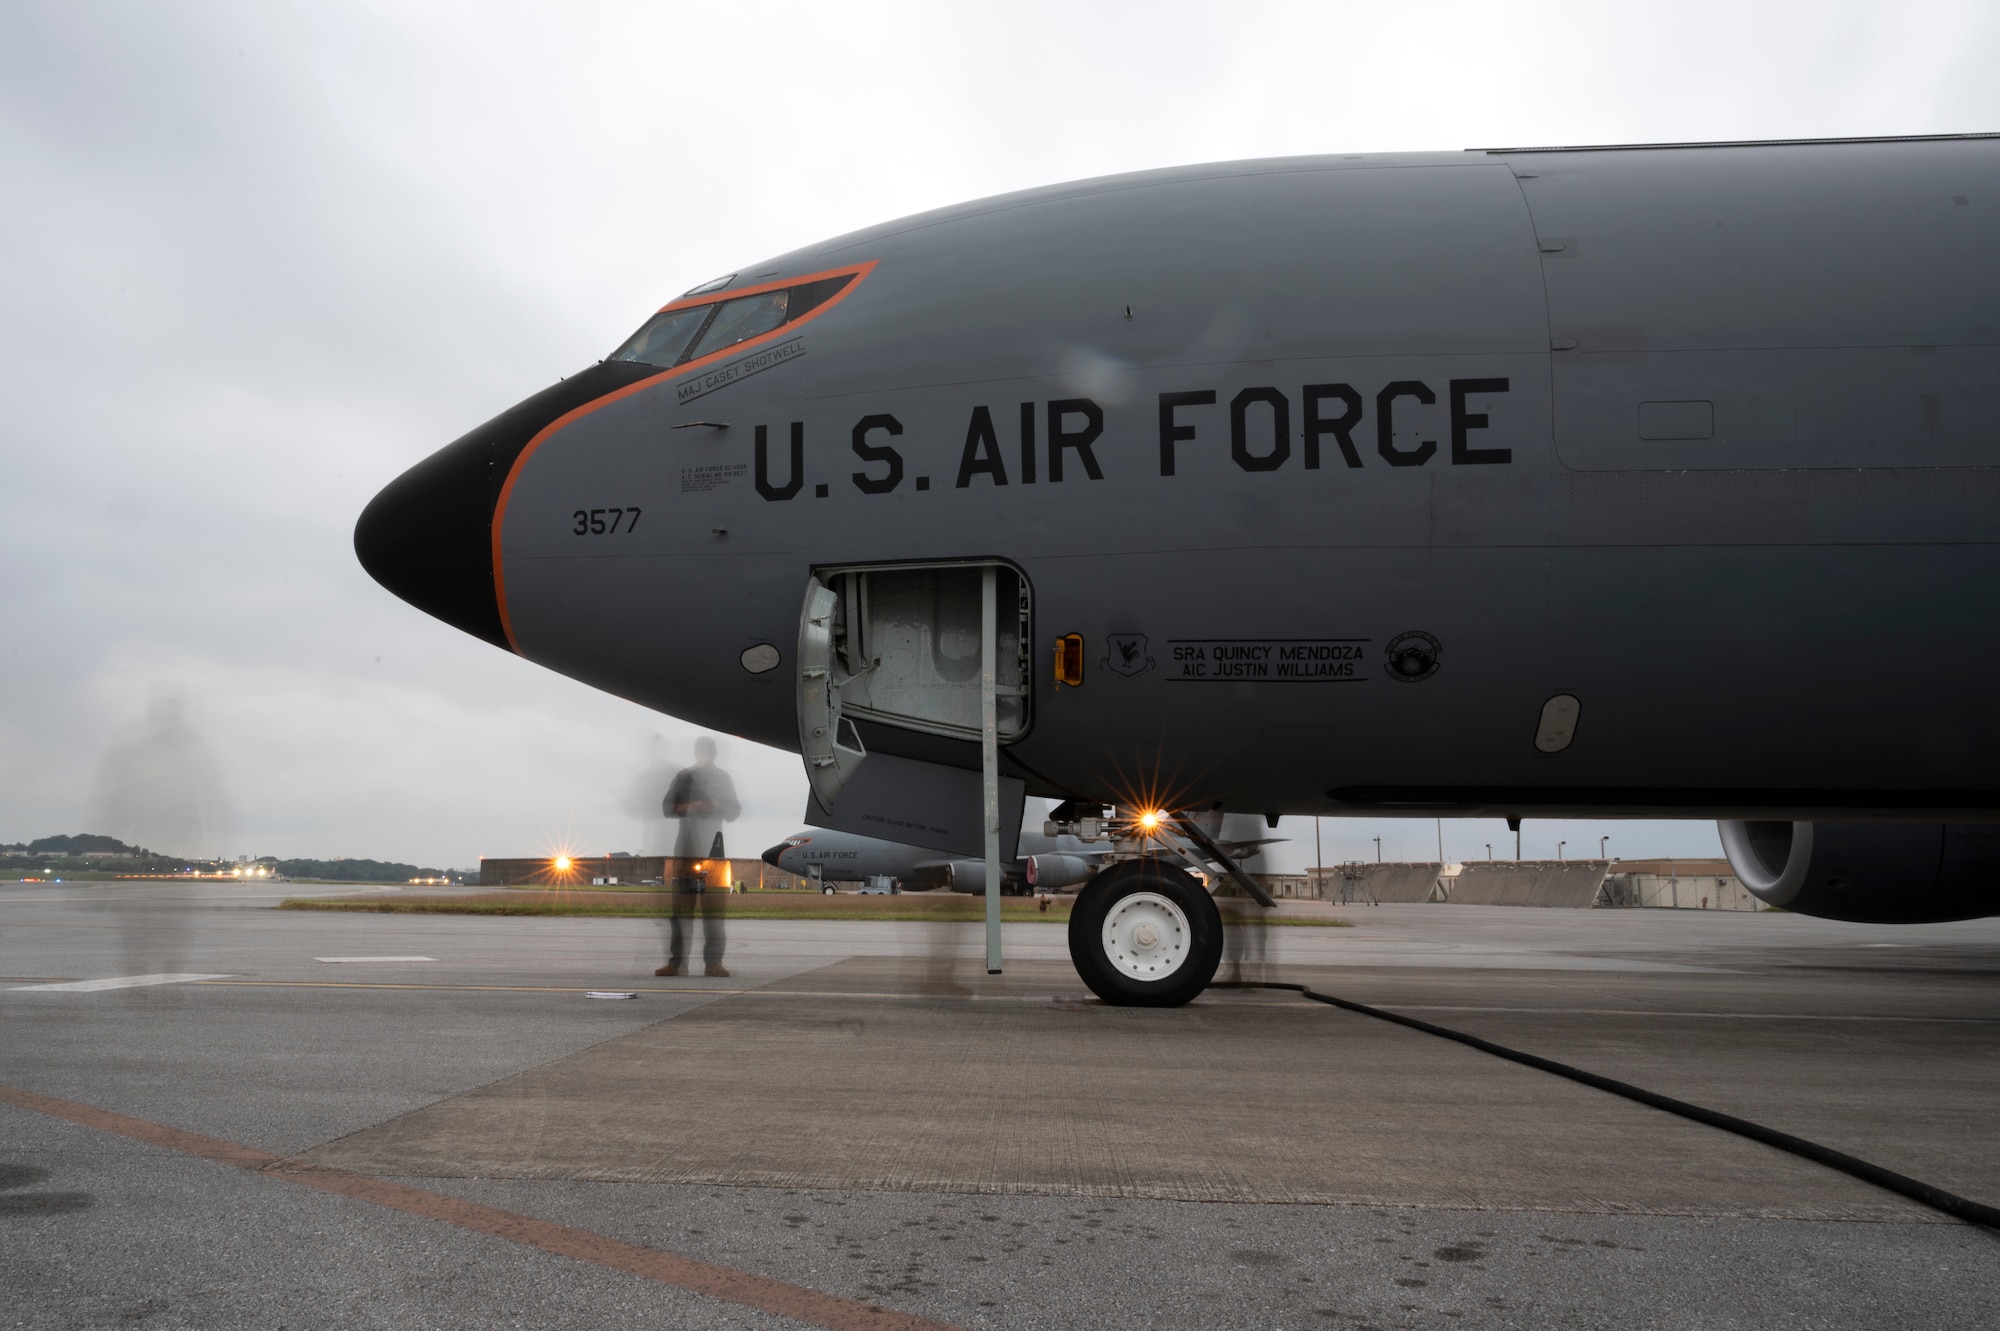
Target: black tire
[1191, 966]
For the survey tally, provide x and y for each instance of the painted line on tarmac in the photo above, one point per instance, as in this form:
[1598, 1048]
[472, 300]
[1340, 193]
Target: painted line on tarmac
[688, 1273]
[114, 982]
[368, 960]
[225, 982]
[907, 997]
[1680, 1012]
[449, 988]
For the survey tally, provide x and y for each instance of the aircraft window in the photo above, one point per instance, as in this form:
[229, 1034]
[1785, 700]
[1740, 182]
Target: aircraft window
[670, 338]
[664, 337]
[740, 319]
[812, 295]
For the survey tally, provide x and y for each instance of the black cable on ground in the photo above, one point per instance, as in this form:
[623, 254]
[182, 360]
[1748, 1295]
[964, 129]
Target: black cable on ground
[1960, 1208]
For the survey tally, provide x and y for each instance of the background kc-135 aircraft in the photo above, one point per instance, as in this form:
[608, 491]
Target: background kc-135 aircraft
[1041, 863]
[1647, 481]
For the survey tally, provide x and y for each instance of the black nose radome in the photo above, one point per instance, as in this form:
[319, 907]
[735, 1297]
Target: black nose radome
[771, 855]
[428, 537]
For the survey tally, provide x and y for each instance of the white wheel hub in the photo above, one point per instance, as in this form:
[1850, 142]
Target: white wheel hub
[1146, 936]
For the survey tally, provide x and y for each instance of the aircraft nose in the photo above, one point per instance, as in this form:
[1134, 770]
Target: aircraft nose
[428, 537]
[774, 854]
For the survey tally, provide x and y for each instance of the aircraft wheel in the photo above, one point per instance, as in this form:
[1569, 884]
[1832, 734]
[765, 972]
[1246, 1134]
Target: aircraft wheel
[827, 891]
[1145, 934]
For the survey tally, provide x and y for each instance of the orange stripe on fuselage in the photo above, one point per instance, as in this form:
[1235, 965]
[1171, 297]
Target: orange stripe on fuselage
[859, 271]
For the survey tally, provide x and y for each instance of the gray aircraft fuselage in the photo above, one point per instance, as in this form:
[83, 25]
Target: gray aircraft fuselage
[849, 856]
[1345, 470]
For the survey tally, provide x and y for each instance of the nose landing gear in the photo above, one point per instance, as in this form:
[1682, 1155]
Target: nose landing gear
[1144, 933]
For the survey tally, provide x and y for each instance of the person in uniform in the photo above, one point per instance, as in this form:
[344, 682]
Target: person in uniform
[643, 802]
[703, 798]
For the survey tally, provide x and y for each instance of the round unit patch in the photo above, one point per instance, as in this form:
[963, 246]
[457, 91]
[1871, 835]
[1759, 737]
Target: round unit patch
[1413, 657]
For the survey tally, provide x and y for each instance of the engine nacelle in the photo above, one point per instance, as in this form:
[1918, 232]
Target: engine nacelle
[1877, 873]
[1047, 873]
[970, 876]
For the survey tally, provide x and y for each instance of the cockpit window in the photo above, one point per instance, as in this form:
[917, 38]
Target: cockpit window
[664, 337]
[807, 298]
[691, 332]
[741, 319]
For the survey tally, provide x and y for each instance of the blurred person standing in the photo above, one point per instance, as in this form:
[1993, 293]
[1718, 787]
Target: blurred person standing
[643, 800]
[703, 798]
[159, 786]
[1245, 934]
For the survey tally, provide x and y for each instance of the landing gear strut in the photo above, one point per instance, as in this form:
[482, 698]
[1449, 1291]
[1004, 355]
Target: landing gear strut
[1145, 934]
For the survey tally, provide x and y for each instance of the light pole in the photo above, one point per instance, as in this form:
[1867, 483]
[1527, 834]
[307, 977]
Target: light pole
[1559, 851]
[1489, 852]
[1378, 850]
[1602, 842]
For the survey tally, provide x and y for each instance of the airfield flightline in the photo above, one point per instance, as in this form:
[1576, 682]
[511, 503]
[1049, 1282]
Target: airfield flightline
[862, 1113]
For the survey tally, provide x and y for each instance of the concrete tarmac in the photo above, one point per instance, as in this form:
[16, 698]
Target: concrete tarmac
[861, 1112]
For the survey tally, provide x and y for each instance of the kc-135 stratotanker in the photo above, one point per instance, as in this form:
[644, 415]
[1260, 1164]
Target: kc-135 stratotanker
[1644, 481]
[1043, 863]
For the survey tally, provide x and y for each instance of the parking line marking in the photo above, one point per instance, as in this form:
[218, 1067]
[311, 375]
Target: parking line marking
[698, 1277]
[918, 996]
[114, 982]
[339, 960]
[445, 988]
[708, 993]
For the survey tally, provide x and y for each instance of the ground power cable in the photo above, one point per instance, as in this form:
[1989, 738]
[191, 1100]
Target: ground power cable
[1959, 1208]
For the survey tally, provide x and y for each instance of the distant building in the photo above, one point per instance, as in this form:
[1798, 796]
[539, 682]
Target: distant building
[1677, 885]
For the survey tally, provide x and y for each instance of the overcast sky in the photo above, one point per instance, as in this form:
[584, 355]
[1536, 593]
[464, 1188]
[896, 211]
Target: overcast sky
[255, 259]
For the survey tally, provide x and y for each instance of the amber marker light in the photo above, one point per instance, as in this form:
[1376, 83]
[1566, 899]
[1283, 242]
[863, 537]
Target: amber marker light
[1069, 660]
[561, 864]
[1149, 821]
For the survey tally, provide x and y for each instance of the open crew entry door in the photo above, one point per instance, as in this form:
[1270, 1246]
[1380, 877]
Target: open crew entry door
[940, 648]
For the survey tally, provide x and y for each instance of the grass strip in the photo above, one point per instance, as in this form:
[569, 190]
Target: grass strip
[655, 904]
[742, 906]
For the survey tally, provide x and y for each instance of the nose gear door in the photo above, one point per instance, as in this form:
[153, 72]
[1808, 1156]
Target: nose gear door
[900, 645]
[829, 760]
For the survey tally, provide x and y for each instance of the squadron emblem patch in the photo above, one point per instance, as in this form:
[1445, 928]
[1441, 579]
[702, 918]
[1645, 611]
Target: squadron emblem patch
[1127, 655]
[1413, 656]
